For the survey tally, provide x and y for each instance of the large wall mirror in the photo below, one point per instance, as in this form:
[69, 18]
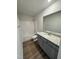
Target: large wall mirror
[52, 23]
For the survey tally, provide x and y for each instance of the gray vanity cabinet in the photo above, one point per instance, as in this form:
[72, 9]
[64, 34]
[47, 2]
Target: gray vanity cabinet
[49, 48]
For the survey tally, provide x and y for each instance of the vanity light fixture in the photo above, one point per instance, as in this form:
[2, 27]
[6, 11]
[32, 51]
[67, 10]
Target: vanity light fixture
[49, 0]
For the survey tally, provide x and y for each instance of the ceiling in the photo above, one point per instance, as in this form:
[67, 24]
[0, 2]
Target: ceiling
[32, 7]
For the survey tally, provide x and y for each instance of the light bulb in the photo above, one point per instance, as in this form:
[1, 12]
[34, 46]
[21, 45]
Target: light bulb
[49, 0]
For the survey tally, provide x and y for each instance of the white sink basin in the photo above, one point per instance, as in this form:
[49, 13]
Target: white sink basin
[53, 38]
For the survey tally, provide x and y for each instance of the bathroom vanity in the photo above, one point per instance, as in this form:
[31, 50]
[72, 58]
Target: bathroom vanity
[49, 43]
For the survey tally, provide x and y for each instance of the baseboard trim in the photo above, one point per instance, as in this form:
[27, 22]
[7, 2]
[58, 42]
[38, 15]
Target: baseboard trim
[28, 41]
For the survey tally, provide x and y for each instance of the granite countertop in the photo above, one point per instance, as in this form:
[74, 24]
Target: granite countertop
[53, 38]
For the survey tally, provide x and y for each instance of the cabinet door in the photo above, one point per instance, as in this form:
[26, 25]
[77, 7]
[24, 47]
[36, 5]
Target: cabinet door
[51, 52]
[40, 41]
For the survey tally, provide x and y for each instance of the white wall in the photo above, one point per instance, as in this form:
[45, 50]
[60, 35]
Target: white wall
[52, 22]
[19, 41]
[50, 10]
[27, 24]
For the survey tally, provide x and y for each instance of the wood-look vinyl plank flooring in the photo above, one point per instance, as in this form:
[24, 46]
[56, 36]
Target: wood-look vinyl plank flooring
[32, 50]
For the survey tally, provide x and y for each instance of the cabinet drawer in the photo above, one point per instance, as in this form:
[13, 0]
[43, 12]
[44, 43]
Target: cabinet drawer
[52, 45]
[42, 38]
